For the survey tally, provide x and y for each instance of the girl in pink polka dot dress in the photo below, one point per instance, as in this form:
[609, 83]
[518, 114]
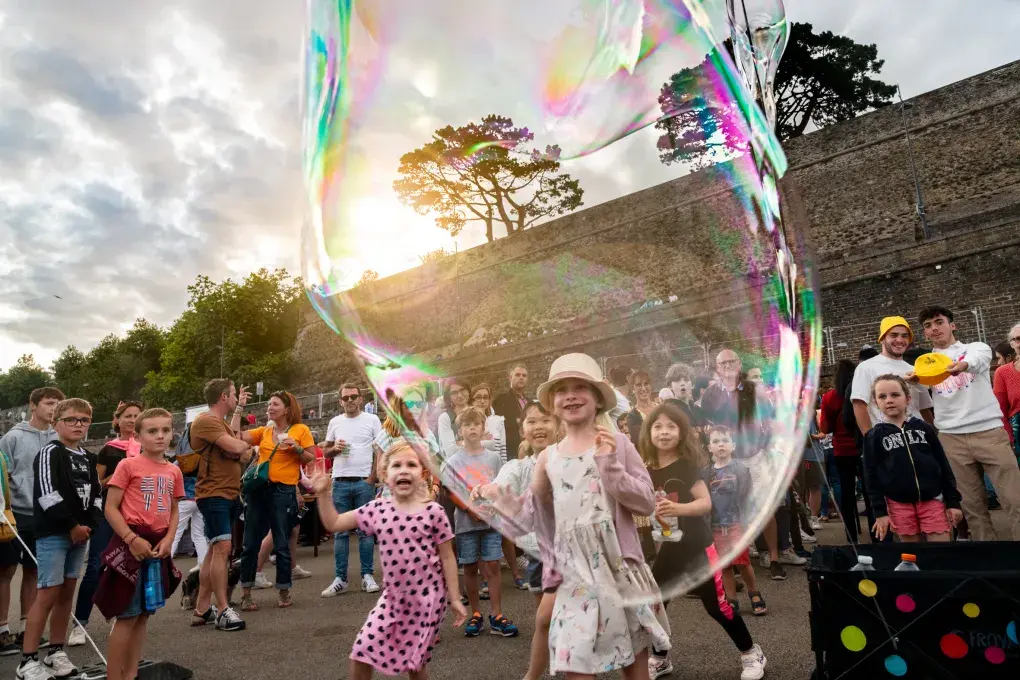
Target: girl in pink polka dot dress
[419, 569]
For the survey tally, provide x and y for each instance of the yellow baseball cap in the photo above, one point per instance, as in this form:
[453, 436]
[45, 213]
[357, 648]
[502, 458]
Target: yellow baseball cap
[890, 322]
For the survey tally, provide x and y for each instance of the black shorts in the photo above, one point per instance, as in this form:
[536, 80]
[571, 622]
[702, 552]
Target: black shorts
[10, 554]
[26, 530]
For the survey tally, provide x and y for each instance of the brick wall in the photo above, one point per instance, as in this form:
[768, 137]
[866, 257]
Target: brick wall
[851, 192]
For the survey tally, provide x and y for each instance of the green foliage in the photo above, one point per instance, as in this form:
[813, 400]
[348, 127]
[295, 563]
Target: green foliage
[486, 173]
[434, 255]
[23, 377]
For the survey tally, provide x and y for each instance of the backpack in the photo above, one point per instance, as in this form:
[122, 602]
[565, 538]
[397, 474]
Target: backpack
[187, 459]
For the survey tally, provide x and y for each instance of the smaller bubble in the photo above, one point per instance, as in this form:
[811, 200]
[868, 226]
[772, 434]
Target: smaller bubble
[868, 588]
[853, 638]
[953, 646]
[995, 655]
[896, 665]
[905, 603]
[1011, 632]
[971, 610]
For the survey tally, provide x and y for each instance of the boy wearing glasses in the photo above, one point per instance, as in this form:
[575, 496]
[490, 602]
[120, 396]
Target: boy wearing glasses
[67, 510]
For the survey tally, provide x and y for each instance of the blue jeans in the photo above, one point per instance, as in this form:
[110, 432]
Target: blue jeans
[90, 581]
[347, 496]
[271, 509]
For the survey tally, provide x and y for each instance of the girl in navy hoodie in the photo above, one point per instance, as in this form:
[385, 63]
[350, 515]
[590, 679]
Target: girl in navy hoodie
[912, 487]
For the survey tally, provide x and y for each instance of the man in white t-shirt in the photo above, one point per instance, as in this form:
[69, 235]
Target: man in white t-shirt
[895, 338]
[349, 443]
[969, 421]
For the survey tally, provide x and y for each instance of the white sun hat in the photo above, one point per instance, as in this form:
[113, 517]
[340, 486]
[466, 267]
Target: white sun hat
[582, 367]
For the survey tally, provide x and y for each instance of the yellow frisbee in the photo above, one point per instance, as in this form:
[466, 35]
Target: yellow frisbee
[930, 368]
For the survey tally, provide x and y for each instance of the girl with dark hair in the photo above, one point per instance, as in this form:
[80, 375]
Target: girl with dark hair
[456, 398]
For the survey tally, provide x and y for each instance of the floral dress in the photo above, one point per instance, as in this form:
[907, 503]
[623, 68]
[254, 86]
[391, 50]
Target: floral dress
[596, 626]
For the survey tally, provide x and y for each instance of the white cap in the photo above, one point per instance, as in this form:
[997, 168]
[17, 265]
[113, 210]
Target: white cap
[864, 559]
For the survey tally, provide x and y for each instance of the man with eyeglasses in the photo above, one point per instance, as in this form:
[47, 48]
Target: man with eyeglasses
[348, 442]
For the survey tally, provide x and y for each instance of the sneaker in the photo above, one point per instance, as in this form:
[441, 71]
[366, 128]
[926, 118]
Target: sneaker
[791, 558]
[816, 523]
[77, 637]
[203, 619]
[758, 607]
[368, 584]
[261, 582]
[19, 640]
[32, 670]
[8, 647]
[777, 571]
[229, 620]
[272, 558]
[806, 554]
[753, 663]
[764, 560]
[752, 552]
[522, 562]
[483, 592]
[659, 666]
[734, 605]
[521, 584]
[474, 625]
[501, 625]
[58, 665]
[298, 572]
[337, 587]
[808, 538]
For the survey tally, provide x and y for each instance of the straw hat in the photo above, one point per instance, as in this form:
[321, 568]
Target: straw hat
[582, 367]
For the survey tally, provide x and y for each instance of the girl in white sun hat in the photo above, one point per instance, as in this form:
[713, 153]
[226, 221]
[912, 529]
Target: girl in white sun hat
[607, 610]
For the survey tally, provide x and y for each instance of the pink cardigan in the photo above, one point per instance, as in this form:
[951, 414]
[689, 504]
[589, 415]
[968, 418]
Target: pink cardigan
[625, 478]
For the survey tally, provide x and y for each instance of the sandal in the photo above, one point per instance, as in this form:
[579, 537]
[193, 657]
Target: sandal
[758, 607]
[285, 600]
[248, 605]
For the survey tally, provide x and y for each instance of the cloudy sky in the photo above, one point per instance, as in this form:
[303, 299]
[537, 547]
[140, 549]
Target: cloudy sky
[144, 142]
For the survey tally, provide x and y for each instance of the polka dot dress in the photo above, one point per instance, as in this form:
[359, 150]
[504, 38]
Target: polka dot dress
[400, 630]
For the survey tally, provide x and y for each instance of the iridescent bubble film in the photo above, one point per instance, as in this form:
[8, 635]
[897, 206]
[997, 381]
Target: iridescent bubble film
[536, 178]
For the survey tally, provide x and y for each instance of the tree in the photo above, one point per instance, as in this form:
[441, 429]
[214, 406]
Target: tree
[367, 276]
[434, 255]
[486, 173]
[243, 331]
[17, 384]
[822, 79]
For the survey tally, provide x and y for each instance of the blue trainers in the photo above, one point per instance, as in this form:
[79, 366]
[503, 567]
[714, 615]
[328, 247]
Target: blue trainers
[501, 625]
[474, 625]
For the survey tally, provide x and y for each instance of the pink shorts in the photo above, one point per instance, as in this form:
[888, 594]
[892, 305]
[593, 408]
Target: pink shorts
[726, 539]
[911, 519]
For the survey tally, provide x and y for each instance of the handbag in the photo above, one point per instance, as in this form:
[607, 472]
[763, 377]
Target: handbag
[256, 477]
[8, 527]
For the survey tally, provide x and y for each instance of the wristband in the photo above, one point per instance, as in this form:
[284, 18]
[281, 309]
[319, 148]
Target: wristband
[238, 411]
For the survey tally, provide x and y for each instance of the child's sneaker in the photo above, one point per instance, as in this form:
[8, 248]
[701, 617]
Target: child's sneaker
[501, 625]
[483, 592]
[77, 636]
[474, 625]
[521, 584]
[753, 662]
[8, 647]
[659, 666]
[777, 571]
[58, 665]
[816, 523]
[203, 619]
[32, 670]
[228, 620]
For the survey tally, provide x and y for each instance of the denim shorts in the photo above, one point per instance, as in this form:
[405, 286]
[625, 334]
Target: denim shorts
[533, 575]
[134, 607]
[59, 559]
[219, 515]
[483, 544]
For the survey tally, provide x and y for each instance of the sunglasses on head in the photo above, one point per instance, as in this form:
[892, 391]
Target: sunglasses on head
[350, 397]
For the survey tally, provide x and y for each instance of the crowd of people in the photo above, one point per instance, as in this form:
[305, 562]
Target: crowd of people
[602, 497]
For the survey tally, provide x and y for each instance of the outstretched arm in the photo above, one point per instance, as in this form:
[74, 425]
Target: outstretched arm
[333, 521]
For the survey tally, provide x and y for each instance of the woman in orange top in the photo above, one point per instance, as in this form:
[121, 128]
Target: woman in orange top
[286, 443]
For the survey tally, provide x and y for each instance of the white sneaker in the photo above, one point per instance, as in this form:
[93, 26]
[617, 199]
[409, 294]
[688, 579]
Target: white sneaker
[522, 562]
[815, 523]
[229, 620]
[337, 587]
[272, 558]
[261, 582]
[808, 538]
[753, 662]
[752, 552]
[33, 670]
[298, 572]
[368, 584]
[58, 665]
[790, 557]
[765, 560]
[659, 666]
[77, 637]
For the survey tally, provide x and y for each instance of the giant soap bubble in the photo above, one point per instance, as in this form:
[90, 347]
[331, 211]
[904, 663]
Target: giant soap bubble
[433, 128]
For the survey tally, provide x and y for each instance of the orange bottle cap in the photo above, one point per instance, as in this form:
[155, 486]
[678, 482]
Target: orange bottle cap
[907, 557]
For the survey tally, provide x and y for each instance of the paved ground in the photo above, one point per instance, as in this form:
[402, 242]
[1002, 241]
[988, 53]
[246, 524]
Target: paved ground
[313, 638]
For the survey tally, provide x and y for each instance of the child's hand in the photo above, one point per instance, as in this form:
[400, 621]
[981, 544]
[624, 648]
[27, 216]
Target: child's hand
[881, 528]
[320, 483]
[140, 549]
[459, 612]
[80, 534]
[667, 508]
[954, 515]
[605, 441]
[163, 547]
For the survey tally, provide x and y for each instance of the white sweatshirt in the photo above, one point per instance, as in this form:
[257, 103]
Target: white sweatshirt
[965, 403]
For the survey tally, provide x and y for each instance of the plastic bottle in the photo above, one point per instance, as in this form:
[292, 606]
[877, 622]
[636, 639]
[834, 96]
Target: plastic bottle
[152, 572]
[667, 530]
[864, 563]
[909, 563]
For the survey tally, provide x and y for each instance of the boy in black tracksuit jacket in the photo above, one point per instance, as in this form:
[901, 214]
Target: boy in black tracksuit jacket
[67, 508]
[907, 470]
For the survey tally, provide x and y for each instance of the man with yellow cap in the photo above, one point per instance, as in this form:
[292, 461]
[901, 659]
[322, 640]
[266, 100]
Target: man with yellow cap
[895, 337]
